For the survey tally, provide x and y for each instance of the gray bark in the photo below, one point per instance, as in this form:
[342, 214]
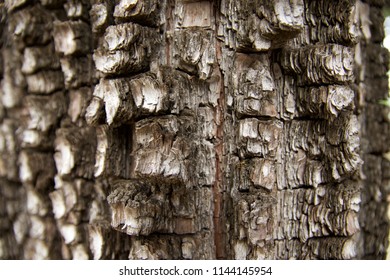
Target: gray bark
[182, 129]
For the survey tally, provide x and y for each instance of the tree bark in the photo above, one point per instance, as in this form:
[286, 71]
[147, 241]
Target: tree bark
[183, 129]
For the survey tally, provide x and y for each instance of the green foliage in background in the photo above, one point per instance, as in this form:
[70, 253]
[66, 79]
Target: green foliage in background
[386, 12]
[385, 102]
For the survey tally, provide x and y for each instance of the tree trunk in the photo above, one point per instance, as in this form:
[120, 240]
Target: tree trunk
[183, 129]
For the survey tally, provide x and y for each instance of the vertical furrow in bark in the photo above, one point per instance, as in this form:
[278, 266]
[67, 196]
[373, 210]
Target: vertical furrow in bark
[220, 189]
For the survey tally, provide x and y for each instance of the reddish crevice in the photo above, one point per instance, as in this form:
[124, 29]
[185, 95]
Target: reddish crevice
[168, 30]
[218, 218]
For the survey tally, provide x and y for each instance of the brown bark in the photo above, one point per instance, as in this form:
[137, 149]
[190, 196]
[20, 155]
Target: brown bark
[185, 129]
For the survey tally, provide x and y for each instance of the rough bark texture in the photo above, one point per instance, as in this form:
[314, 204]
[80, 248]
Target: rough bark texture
[180, 129]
